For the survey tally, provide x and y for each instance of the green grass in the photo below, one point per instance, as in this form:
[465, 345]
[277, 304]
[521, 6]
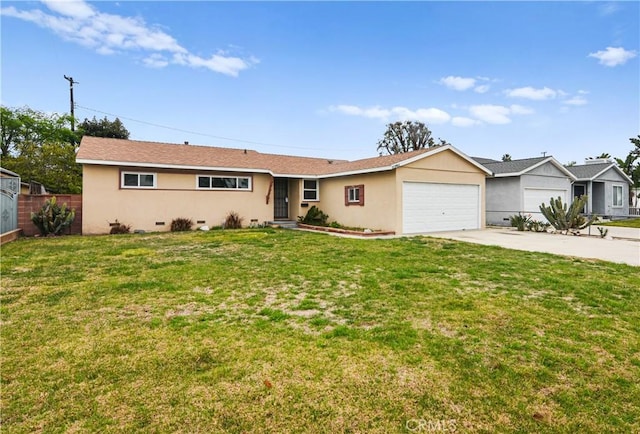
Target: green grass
[630, 223]
[285, 331]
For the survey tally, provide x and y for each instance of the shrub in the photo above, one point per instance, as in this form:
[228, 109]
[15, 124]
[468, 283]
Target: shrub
[537, 226]
[119, 228]
[519, 221]
[52, 219]
[233, 221]
[181, 224]
[314, 217]
[603, 231]
[565, 219]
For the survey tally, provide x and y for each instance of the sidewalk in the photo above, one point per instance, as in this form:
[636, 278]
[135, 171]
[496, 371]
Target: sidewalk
[622, 245]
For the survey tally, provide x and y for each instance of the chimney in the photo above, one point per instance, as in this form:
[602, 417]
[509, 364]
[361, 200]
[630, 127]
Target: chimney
[597, 161]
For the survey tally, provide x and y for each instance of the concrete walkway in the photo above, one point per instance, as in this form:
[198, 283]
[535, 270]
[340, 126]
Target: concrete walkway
[622, 245]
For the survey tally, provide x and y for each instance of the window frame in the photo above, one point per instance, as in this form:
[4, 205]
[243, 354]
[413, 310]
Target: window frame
[236, 188]
[316, 190]
[348, 201]
[621, 196]
[124, 173]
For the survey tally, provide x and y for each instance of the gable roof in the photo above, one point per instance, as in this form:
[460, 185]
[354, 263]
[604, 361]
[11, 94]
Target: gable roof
[590, 172]
[119, 152]
[482, 160]
[522, 166]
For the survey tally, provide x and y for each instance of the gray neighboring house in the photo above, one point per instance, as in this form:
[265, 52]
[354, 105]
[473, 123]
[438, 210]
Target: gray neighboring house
[522, 186]
[606, 185]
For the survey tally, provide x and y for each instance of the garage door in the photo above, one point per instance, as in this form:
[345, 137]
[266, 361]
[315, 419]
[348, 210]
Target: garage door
[534, 197]
[430, 207]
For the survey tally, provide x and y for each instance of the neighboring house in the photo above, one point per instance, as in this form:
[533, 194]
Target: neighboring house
[9, 191]
[521, 186]
[606, 185]
[147, 185]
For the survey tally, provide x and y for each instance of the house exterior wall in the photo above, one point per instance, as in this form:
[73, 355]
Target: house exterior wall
[446, 168]
[505, 196]
[610, 178]
[380, 201]
[175, 196]
[503, 199]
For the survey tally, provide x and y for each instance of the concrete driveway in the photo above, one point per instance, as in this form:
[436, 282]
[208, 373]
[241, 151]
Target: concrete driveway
[622, 245]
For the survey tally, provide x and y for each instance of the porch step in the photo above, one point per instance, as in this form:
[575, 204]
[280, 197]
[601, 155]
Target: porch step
[286, 224]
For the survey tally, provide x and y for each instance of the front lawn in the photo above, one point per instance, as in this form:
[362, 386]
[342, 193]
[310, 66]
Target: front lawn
[629, 223]
[285, 331]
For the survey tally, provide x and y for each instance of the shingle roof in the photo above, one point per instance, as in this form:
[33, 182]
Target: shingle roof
[483, 161]
[513, 166]
[588, 171]
[100, 150]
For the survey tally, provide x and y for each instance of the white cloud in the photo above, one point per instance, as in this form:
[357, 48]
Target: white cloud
[497, 114]
[491, 114]
[484, 88]
[532, 93]
[520, 110]
[79, 22]
[613, 56]
[608, 8]
[75, 9]
[576, 100]
[459, 121]
[428, 115]
[457, 83]
[156, 61]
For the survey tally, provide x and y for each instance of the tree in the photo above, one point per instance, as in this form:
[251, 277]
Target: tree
[630, 166]
[407, 136]
[103, 128]
[41, 147]
[604, 156]
[506, 157]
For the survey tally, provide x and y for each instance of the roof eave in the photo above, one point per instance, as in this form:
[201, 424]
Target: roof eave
[170, 166]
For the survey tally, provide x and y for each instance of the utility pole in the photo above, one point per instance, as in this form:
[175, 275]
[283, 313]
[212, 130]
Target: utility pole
[71, 83]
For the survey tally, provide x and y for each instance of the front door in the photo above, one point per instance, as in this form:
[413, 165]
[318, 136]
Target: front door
[579, 190]
[281, 198]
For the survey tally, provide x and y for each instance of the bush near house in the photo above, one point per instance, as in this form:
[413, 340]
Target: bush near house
[565, 219]
[52, 218]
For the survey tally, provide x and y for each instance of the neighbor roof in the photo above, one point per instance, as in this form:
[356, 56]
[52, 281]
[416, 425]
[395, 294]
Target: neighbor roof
[522, 166]
[589, 172]
[107, 151]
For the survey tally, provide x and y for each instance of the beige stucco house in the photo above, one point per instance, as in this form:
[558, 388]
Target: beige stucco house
[147, 185]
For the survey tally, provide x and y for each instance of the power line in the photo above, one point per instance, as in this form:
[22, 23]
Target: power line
[194, 132]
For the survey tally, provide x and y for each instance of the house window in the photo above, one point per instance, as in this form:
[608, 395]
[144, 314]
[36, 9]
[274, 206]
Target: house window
[223, 182]
[310, 189]
[354, 195]
[617, 196]
[138, 180]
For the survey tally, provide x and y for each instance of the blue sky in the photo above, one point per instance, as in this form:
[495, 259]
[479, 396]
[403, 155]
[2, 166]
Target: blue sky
[324, 78]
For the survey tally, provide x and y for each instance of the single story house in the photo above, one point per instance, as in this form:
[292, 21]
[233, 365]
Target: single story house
[521, 186]
[147, 185]
[606, 185]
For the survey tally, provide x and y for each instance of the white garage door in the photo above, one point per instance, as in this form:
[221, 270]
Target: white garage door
[534, 197]
[430, 207]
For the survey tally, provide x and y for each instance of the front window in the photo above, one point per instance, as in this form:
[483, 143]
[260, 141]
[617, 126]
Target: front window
[310, 189]
[138, 180]
[354, 195]
[224, 182]
[617, 196]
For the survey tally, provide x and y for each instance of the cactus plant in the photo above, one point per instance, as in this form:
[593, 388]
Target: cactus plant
[565, 219]
[52, 218]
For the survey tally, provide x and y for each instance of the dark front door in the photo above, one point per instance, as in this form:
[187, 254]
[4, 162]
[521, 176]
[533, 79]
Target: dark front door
[281, 198]
[579, 190]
